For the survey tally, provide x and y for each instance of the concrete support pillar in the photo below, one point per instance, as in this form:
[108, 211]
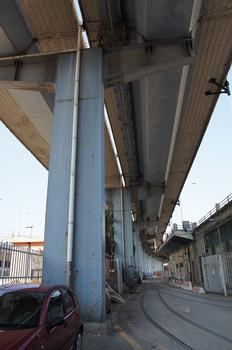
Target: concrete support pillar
[88, 279]
[128, 239]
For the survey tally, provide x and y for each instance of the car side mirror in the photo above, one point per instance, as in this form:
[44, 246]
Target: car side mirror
[59, 321]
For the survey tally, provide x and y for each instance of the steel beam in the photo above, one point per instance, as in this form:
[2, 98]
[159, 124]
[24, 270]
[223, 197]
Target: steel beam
[27, 85]
[141, 193]
[127, 65]
[144, 225]
[31, 74]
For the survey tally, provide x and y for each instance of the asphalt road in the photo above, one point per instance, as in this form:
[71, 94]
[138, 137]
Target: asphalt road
[162, 317]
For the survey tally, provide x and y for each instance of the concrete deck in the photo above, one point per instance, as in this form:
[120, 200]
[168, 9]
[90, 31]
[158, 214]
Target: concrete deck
[158, 316]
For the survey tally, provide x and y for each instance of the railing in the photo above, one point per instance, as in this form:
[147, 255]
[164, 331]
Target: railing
[217, 207]
[19, 264]
[177, 228]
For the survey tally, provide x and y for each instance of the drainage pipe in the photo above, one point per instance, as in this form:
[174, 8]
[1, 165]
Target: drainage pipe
[73, 163]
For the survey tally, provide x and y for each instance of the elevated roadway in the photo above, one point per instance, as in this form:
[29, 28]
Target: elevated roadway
[157, 58]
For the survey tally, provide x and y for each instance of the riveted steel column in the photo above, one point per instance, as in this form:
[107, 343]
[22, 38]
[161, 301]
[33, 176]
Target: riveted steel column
[145, 262]
[128, 239]
[136, 247]
[89, 239]
[56, 225]
[118, 236]
[140, 258]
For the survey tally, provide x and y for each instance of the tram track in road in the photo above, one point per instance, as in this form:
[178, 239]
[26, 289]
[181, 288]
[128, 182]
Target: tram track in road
[195, 295]
[195, 324]
[162, 329]
[225, 308]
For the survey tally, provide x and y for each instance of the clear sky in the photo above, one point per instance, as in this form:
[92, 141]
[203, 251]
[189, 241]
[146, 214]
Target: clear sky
[23, 180]
[210, 178]
[23, 188]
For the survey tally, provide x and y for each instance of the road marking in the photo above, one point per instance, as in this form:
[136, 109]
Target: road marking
[126, 337]
[183, 308]
[119, 330]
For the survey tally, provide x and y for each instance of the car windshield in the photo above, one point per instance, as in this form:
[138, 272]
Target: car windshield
[20, 309]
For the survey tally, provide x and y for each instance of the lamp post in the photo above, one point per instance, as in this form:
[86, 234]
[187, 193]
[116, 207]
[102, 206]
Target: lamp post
[22, 221]
[30, 227]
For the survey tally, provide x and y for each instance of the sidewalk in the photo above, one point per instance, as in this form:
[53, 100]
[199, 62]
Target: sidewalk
[96, 339]
[116, 338]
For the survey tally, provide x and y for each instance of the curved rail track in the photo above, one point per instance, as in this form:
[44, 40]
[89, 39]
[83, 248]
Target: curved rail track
[197, 296]
[163, 330]
[226, 308]
[195, 324]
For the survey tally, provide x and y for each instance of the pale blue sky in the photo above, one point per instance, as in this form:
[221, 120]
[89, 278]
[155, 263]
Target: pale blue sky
[23, 180]
[212, 168]
[23, 187]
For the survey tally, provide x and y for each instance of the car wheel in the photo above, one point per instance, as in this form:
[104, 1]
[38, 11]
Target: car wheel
[79, 342]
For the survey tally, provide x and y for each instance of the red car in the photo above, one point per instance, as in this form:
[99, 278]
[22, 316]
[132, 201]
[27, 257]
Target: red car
[35, 317]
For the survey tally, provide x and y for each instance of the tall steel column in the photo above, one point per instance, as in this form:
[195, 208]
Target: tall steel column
[136, 245]
[88, 272]
[128, 238]
[145, 262]
[118, 236]
[89, 240]
[59, 173]
[140, 257]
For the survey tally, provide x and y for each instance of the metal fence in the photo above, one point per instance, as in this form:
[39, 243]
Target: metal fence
[19, 264]
[217, 207]
[217, 273]
[111, 272]
[227, 266]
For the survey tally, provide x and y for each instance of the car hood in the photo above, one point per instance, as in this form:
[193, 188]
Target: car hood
[11, 339]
